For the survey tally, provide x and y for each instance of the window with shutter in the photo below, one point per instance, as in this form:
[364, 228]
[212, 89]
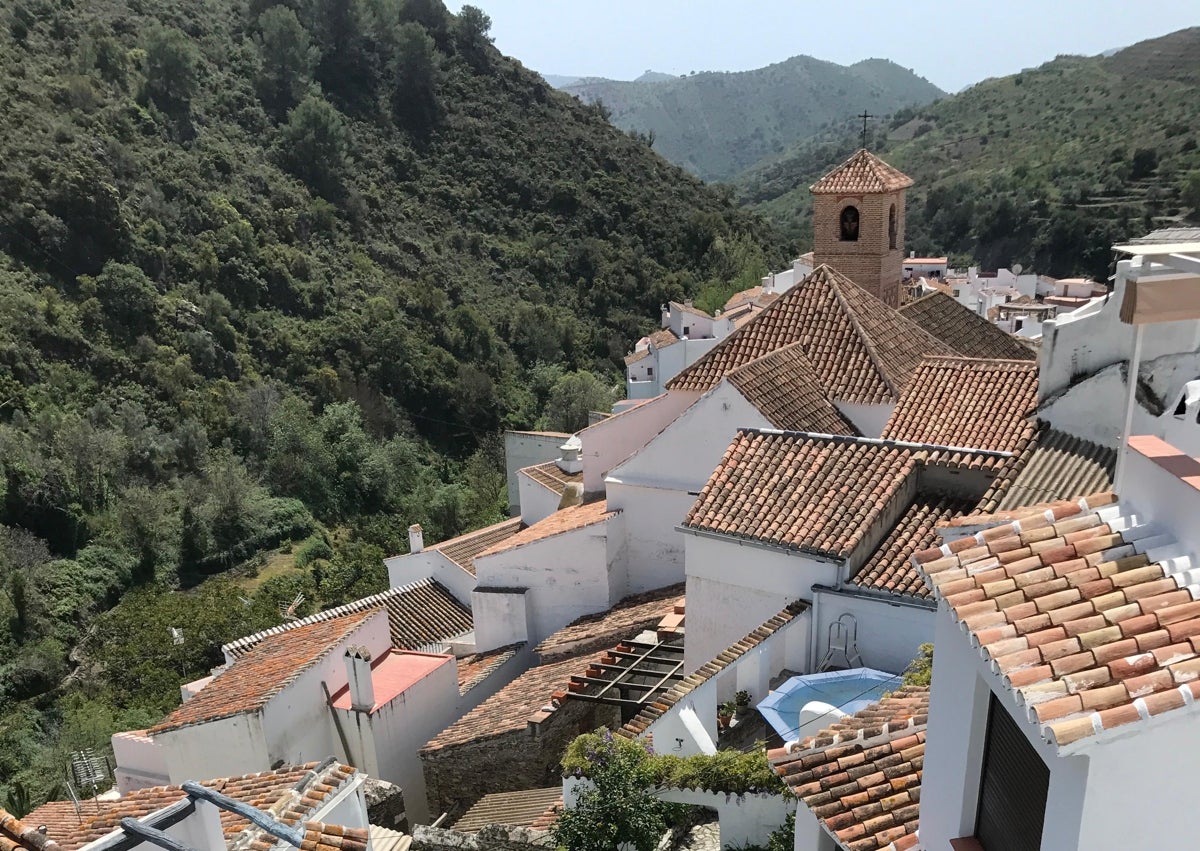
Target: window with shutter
[1012, 795]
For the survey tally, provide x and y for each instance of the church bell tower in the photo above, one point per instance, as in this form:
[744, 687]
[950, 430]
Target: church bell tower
[858, 223]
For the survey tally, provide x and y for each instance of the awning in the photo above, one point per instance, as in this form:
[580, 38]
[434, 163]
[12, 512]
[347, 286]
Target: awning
[1161, 300]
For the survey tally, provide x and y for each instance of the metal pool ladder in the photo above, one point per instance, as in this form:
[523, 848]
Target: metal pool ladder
[843, 643]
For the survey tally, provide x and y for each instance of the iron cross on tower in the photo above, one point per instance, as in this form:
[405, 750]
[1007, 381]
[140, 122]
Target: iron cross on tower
[865, 116]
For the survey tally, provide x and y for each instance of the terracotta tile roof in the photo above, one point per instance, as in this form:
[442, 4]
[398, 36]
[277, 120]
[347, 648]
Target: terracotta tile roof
[600, 631]
[564, 520]
[805, 492]
[963, 402]
[548, 816]
[861, 350]
[663, 703]
[474, 669]
[319, 836]
[865, 784]
[890, 567]
[1092, 620]
[862, 778]
[542, 689]
[963, 329]
[1056, 466]
[249, 682]
[291, 794]
[549, 475]
[421, 614]
[463, 549]
[512, 809]
[633, 358]
[511, 708]
[863, 173]
[784, 388]
[753, 296]
[16, 835]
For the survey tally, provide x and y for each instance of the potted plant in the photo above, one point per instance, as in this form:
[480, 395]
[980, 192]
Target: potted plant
[741, 702]
[725, 713]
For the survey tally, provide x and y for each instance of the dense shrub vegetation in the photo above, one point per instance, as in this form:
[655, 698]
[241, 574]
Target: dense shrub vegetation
[274, 273]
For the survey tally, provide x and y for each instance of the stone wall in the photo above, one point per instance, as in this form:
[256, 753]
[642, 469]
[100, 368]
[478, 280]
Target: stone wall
[869, 261]
[458, 776]
[493, 837]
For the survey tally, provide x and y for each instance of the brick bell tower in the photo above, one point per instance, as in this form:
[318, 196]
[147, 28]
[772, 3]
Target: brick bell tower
[858, 223]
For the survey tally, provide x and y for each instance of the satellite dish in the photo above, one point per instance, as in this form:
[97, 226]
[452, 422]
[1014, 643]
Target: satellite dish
[1017, 268]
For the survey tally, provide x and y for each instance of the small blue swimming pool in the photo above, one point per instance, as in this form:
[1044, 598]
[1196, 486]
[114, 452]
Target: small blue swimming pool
[841, 692]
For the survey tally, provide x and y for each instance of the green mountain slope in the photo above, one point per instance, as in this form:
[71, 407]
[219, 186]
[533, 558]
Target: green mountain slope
[717, 124]
[1047, 167]
[270, 285]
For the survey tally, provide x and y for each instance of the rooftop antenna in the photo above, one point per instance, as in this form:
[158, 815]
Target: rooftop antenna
[88, 773]
[865, 117]
[288, 612]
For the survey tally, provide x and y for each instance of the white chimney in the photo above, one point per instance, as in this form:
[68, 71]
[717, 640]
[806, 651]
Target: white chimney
[358, 674]
[416, 538]
[570, 462]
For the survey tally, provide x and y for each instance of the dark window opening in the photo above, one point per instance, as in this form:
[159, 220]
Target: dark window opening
[1013, 787]
[1181, 408]
[892, 227]
[649, 372]
[849, 224]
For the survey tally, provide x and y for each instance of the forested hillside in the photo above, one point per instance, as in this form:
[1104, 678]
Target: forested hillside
[1048, 167]
[272, 279]
[717, 124]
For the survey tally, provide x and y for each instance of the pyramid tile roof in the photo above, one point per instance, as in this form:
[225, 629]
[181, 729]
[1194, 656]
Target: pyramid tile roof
[964, 330]
[861, 350]
[1087, 616]
[291, 793]
[807, 492]
[421, 614]
[862, 174]
[862, 777]
[784, 388]
[251, 681]
[890, 567]
[966, 402]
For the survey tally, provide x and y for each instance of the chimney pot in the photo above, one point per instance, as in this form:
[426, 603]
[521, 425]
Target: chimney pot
[416, 538]
[358, 675]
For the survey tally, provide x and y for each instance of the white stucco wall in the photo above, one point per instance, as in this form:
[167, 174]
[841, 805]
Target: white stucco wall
[222, 748]
[567, 575]
[524, 449]
[1159, 497]
[609, 442]
[537, 501]
[501, 617]
[889, 631]
[734, 587]
[745, 819]
[430, 564]
[403, 726]
[868, 419]
[1083, 343]
[654, 549]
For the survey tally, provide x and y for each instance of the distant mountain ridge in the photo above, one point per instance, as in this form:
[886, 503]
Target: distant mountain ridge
[1048, 167]
[716, 124]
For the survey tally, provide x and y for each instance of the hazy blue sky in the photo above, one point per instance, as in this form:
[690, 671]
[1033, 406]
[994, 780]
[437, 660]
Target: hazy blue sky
[953, 44]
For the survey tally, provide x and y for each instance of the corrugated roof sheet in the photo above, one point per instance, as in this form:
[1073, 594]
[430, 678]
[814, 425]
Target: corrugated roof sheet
[1057, 466]
[512, 809]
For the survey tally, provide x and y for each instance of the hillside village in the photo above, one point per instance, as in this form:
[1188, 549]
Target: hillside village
[746, 557]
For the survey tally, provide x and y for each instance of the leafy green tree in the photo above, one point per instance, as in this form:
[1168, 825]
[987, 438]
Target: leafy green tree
[472, 34]
[345, 70]
[1189, 192]
[920, 670]
[620, 809]
[314, 144]
[127, 297]
[288, 60]
[430, 14]
[1144, 162]
[572, 398]
[414, 79]
[172, 68]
